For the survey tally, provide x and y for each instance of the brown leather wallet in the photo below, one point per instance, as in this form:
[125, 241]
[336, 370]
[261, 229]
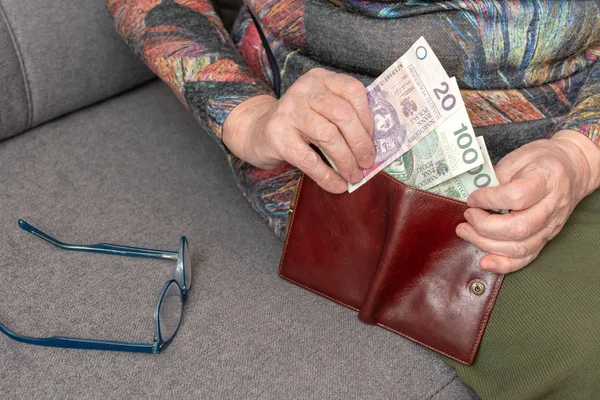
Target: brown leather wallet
[390, 252]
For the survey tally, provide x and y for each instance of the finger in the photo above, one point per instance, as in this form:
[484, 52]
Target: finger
[516, 225]
[298, 153]
[519, 194]
[355, 93]
[507, 248]
[505, 265]
[324, 134]
[340, 112]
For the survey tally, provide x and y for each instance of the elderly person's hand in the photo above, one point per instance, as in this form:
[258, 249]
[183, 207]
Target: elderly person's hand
[322, 108]
[541, 183]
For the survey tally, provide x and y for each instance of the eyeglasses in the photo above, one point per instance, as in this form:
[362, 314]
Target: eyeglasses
[167, 313]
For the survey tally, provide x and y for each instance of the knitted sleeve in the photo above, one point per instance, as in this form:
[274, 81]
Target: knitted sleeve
[185, 44]
[584, 117]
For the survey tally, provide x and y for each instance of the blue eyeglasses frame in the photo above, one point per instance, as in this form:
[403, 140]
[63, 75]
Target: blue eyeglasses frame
[182, 283]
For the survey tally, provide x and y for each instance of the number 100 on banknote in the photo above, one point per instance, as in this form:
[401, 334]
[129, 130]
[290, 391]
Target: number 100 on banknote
[412, 98]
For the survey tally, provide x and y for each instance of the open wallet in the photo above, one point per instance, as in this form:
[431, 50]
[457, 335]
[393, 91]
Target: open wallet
[390, 252]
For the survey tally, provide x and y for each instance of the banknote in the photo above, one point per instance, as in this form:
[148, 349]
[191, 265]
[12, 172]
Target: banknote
[408, 101]
[446, 152]
[461, 186]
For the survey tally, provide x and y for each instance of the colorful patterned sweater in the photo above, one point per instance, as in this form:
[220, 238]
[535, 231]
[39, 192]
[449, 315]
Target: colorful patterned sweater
[526, 68]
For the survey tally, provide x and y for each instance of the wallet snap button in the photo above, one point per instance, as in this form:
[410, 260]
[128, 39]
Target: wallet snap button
[477, 288]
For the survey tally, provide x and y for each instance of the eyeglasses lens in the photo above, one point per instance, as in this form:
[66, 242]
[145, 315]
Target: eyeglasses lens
[170, 312]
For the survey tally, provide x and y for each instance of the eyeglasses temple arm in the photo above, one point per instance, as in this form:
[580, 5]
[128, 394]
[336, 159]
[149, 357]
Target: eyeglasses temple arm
[139, 251]
[83, 344]
[103, 248]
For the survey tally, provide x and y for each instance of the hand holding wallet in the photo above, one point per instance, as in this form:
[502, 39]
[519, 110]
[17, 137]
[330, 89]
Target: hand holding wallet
[390, 252]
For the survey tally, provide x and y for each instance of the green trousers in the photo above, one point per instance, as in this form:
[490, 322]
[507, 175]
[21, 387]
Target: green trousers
[543, 337]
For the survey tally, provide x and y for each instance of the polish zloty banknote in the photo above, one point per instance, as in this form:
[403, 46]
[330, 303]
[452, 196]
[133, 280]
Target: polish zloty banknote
[408, 101]
[461, 186]
[446, 152]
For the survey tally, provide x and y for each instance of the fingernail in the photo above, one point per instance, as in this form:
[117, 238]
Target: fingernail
[368, 160]
[356, 176]
[342, 187]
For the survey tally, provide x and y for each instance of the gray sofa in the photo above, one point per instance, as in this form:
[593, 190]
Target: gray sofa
[95, 149]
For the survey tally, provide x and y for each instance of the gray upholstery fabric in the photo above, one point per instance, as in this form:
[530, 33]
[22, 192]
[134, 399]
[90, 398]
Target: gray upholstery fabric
[70, 57]
[13, 101]
[137, 170]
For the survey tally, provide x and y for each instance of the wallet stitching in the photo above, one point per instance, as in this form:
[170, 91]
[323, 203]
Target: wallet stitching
[487, 312]
[321, 294]
[474, 348]
[423, 344]
[497, 285]
[378, 323]
[285, 248]
[290, 223]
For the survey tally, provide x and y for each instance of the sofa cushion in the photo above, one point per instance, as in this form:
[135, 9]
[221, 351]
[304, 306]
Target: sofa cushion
[58, 56]
[136, 170]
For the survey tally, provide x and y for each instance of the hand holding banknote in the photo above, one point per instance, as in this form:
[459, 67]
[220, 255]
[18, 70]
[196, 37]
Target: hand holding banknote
[541, 183]
[322, 108]
[409, 100]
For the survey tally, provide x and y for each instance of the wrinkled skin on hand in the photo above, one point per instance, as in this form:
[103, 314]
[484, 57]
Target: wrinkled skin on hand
[322, 108]
[540, 183]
